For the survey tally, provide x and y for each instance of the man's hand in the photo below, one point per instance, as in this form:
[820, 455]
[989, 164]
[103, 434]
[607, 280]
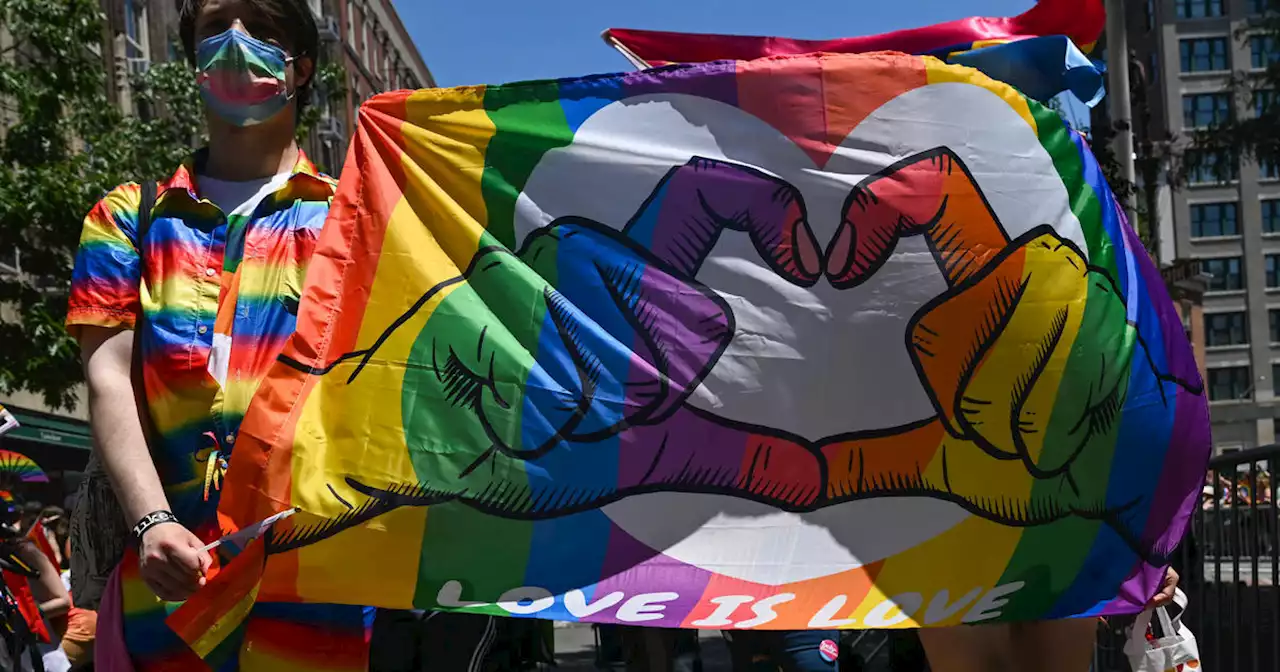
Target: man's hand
[171, 561]
[1165, 597]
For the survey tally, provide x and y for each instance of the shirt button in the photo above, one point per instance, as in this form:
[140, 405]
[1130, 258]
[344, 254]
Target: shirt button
[209, 272]
[230, 439]
[202, 329]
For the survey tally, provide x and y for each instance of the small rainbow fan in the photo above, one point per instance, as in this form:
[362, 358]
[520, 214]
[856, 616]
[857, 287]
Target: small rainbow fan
[6, 497]
[21, 466]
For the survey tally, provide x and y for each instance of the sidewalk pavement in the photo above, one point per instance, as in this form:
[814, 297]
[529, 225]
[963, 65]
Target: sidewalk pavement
[576, 651]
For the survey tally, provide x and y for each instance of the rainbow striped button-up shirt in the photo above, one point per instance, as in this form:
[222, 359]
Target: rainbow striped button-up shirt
[208, 279]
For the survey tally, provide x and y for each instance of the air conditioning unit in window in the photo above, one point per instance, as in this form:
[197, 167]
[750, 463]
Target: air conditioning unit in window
[331, 128]
[329, 29]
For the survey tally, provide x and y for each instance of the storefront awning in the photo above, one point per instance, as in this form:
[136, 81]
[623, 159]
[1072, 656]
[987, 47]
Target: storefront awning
[49, 429]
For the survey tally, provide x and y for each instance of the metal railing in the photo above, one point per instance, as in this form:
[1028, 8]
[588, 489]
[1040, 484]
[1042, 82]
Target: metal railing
[1230, 568]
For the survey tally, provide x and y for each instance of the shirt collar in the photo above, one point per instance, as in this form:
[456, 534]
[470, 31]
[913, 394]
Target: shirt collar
[184, 178]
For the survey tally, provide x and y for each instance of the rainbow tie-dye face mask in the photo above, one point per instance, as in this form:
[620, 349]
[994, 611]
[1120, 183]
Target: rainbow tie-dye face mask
[241, 79]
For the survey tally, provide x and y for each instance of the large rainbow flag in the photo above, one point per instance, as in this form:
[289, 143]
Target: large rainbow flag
[854, 341]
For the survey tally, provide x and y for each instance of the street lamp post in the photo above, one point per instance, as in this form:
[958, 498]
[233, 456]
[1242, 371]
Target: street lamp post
[1118, 97]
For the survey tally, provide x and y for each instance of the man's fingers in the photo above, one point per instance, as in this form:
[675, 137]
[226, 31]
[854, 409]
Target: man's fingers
[165, 586]
[186, 559]
[1167, 589]
[992, 351]
[694, 203]
[931, 193]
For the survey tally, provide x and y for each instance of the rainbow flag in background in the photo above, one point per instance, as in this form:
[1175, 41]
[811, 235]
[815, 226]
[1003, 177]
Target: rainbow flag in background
[1041, 51]
[7, 421]
[1082, 21]
[854, 341]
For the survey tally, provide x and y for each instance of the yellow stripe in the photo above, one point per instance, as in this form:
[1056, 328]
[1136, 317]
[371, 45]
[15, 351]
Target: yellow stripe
[271, 278]
[975, 552]
[940, 73]
[225, 625]
[1056, 289]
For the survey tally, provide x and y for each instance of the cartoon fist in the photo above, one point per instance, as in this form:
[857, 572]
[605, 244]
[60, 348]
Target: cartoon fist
[556, 378]
[1017, 356]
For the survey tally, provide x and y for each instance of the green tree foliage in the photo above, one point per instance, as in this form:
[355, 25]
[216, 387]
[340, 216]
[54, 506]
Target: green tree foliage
[63, 144]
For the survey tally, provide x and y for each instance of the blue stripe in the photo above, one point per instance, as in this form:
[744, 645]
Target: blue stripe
[1142, 445]
[568, 553]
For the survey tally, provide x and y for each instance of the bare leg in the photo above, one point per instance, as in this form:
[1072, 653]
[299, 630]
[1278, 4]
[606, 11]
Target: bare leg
[1055, 646]
[1043, 646]
[969, 648]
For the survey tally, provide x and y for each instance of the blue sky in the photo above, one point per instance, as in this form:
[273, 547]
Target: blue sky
[496, 41]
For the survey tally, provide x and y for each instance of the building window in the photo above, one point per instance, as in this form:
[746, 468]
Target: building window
[1259, 6]
[1226, 329]
[136, 36]
[351, 23]
[1271, 216]
[1206, 109]
[1273, 316]
[1230, 383]
[1199, 9]
[1211, 168]
[1209, 220]
[1268, 169]
[10, 262]
[1275, 385]
[1205, 54]
[1150, 14]
[1272, 264]
[1224, 274]
[366, 44]
[1264, 100]
[1263, 51]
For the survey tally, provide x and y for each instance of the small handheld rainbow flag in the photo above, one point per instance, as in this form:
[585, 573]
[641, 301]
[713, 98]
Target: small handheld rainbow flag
[7, 421]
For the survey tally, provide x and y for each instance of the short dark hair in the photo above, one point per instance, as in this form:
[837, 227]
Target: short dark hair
[291, 19]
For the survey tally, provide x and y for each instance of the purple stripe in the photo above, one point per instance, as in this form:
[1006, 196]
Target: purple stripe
[717, 81]
[633, 568]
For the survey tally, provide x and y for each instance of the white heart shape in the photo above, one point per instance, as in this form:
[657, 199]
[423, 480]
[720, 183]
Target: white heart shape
[812, 361]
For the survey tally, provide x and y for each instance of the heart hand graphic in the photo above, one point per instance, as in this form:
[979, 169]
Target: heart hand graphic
[556, 379]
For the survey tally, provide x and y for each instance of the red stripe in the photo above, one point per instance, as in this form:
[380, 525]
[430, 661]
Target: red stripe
[1081, 20]
[259, 482]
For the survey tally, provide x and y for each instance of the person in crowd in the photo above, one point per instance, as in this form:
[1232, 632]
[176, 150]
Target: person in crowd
[42, 599]
[785, 650]
[202, 301]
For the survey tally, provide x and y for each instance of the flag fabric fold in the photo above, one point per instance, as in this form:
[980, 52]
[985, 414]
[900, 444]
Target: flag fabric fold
[7, 421]
[815, 341]
[1082, 21]
[1015, 50]
[1040, 67]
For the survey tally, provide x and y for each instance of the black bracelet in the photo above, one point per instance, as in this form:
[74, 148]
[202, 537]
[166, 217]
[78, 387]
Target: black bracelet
[151, 520]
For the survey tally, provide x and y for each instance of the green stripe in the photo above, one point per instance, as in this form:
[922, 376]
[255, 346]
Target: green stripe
[1056, 139]
[529, 122]
[487, 554]
[1048, 557]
